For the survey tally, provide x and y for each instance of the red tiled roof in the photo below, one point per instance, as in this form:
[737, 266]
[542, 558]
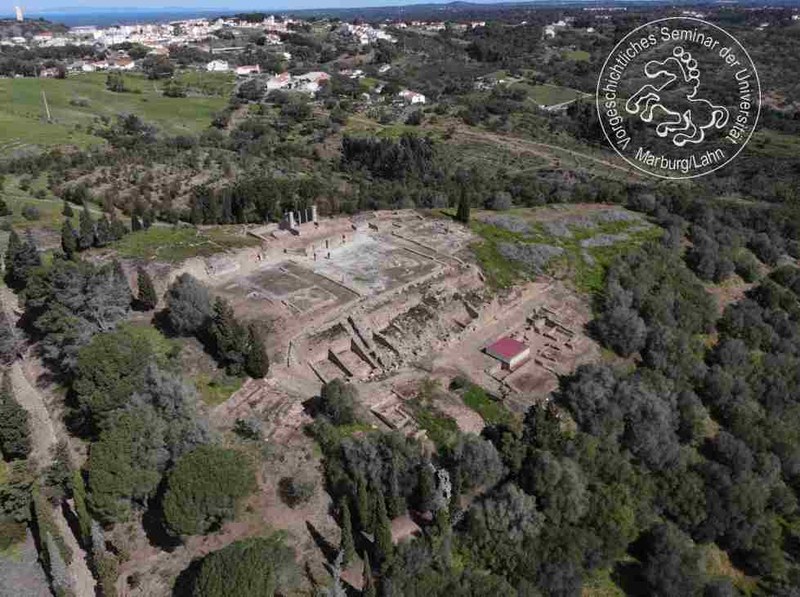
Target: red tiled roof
[507, 348]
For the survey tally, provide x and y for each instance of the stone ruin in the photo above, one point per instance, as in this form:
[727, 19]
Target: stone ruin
[292, 220]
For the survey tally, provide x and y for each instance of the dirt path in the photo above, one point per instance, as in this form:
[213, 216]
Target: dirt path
[45, 432]
[537, 148]
[519, 144]
[82, 580]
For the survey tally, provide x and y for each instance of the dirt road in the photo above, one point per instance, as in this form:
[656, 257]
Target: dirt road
[45, 431]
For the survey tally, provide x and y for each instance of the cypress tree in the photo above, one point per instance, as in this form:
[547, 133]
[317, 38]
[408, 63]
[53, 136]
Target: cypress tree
[15, 438]
[462, 215]
[12, 250]
[4, 209]
[21, 258]
[228, 336]
[363, 504]
[102, 234]
[84, 520]
[69, 242]
[67, 210]
[347, 545]
[425, 488]
[368, 584]
[146, 297]
[118, 228]
[86, 229]
[257, 362]
[136, 224]
[383, 533]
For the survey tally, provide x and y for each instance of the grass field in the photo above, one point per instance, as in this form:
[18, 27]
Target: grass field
[583, 265]
[176, 244]
[77, 101]
[551, 95]
[49, 208]
[216, 390]
[493, 412]
[577, 55]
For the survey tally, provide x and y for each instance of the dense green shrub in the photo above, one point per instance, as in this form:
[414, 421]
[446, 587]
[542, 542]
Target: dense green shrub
[204, 489]
[256, 567]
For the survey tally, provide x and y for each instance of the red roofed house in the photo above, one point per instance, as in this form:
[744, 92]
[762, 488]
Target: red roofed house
[510, 352]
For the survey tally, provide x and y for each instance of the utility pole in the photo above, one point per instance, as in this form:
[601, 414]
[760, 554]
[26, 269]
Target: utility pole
[46, 107]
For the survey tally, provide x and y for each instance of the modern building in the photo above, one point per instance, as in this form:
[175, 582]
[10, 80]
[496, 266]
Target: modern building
[249, 69]
[511, 353]
[411, 97]
[217, 66]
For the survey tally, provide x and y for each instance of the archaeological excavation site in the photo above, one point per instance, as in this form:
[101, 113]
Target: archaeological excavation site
[387, 301]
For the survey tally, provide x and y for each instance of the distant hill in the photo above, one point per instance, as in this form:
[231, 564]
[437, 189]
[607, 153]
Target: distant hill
[28, 28]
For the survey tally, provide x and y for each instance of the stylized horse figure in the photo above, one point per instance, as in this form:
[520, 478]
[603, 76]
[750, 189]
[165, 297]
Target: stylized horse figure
[679, 81]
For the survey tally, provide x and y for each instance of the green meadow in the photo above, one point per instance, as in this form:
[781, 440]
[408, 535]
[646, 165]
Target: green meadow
[76, 102]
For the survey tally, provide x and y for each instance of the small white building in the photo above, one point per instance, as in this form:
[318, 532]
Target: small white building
[384, 68]
[217, 66]
[411, 97]
[280, 81]
[247, 70]
[510, 352]
[310, 82]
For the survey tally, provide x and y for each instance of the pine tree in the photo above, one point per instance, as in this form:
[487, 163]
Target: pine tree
[347, 545]
[15, 439]
[146, 297]
[67, 210]
[86, 229]
[69, 242]
[368, 583]
[4, 209]
[136, 224]
[383, 533]
[257, 362]
[102, 234]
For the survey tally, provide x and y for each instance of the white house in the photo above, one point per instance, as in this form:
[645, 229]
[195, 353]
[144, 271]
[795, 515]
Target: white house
[217, 66]
[249, 69]
[310, 82]
[279, 81]
[411, 97]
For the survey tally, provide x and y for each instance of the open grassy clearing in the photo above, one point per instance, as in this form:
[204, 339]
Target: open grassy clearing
[601, 585]
[774, 144]
[39, 197]
[492, 411]
[216, 389]
[577, 55]
[550, 95]
[179, 243]
[77, 101]
[572, 244]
